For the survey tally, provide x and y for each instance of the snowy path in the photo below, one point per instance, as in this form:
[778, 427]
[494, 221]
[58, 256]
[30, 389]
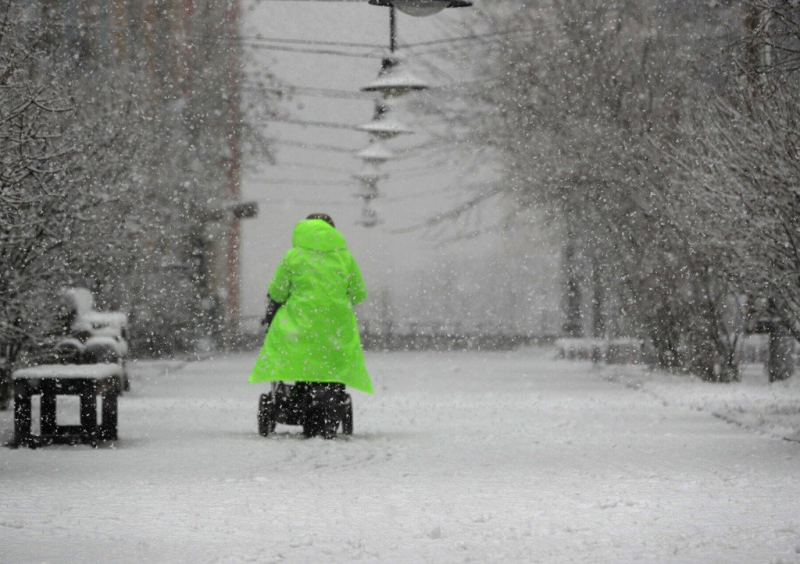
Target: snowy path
[474, 457]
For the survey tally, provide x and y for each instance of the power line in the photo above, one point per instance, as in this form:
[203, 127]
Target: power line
[285, 182]
[345, 94]
[311, 166]
[419, 195]
[323, 124]
[312, 146]
[302, 202]
[467, 38]
[309, 91]
[400, 154]
[313, 51]
[261, 38]
[284, 48]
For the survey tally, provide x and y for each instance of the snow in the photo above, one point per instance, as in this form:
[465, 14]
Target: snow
[753, 403]
[108, 323]
[81, 299]
[459, 457]
[69, 371]
[117, 344]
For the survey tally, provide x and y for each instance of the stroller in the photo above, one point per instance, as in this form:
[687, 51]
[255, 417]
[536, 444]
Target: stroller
[318, 406]
[321, 408]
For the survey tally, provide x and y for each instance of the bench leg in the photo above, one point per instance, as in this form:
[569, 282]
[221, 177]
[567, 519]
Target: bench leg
[108, 429]
[22, 413]
[48, 408]
[89, 413]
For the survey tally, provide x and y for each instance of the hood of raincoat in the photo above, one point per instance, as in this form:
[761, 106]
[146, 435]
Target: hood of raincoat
[318, 235]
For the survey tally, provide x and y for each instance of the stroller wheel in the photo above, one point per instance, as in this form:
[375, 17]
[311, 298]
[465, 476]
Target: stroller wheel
[347, 419]
[266, 415]
[329, 430]
[320, 423]
[322, 414]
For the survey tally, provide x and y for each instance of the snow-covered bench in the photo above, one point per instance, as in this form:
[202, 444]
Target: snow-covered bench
[50, 380]
[614, 351]
[625, 351]
[585, 348]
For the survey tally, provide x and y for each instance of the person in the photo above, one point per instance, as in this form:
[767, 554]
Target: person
[312, 331]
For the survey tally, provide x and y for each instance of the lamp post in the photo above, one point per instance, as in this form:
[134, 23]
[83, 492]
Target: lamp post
[394, 80]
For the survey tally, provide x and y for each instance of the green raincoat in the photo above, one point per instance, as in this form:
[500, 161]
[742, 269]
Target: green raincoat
[314, 336]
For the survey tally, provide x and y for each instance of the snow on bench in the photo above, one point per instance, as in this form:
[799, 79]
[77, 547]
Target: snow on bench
[67, 371]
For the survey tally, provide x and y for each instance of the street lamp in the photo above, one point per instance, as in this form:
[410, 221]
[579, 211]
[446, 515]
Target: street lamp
[421, 8]
[393, 80]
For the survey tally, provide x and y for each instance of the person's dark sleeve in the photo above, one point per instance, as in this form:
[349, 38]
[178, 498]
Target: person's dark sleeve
[272, 309]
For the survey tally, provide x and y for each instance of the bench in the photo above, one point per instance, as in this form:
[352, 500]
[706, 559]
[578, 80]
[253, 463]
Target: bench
[50, 380]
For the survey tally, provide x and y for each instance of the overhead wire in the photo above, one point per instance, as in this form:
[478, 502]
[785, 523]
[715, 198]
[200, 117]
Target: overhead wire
[311, 166]
[300, 182]
[313, 146]
[260, 39]
[302, 202]
[287, 49]
[295, 41]
[313, 92]
[306, 123]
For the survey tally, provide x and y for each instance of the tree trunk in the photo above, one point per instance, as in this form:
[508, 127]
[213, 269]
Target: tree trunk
[598, 301]
[5, 386]
[8, 355]
[780, 363]
[573, 322]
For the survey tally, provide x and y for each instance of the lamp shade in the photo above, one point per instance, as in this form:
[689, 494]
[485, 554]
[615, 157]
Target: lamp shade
[385, 128]
[367, 193]
[395, 80]
[370, 174]
[375, 152]
[422, 8]
[369, 217]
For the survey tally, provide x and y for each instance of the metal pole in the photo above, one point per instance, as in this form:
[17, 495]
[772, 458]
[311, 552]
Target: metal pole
[232, 282]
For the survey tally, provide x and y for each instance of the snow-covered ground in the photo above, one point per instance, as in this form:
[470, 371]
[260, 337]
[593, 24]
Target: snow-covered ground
[753, 403]
[459, 457]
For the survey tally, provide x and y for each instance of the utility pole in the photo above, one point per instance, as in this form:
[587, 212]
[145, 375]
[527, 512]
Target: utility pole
[232, 279]
[392, 29]
[780, 359]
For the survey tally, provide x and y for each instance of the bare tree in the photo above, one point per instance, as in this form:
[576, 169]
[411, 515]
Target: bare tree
[741, 171]
[580, 100]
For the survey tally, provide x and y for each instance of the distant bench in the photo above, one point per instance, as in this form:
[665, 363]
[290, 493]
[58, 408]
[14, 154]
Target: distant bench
[50, 380]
